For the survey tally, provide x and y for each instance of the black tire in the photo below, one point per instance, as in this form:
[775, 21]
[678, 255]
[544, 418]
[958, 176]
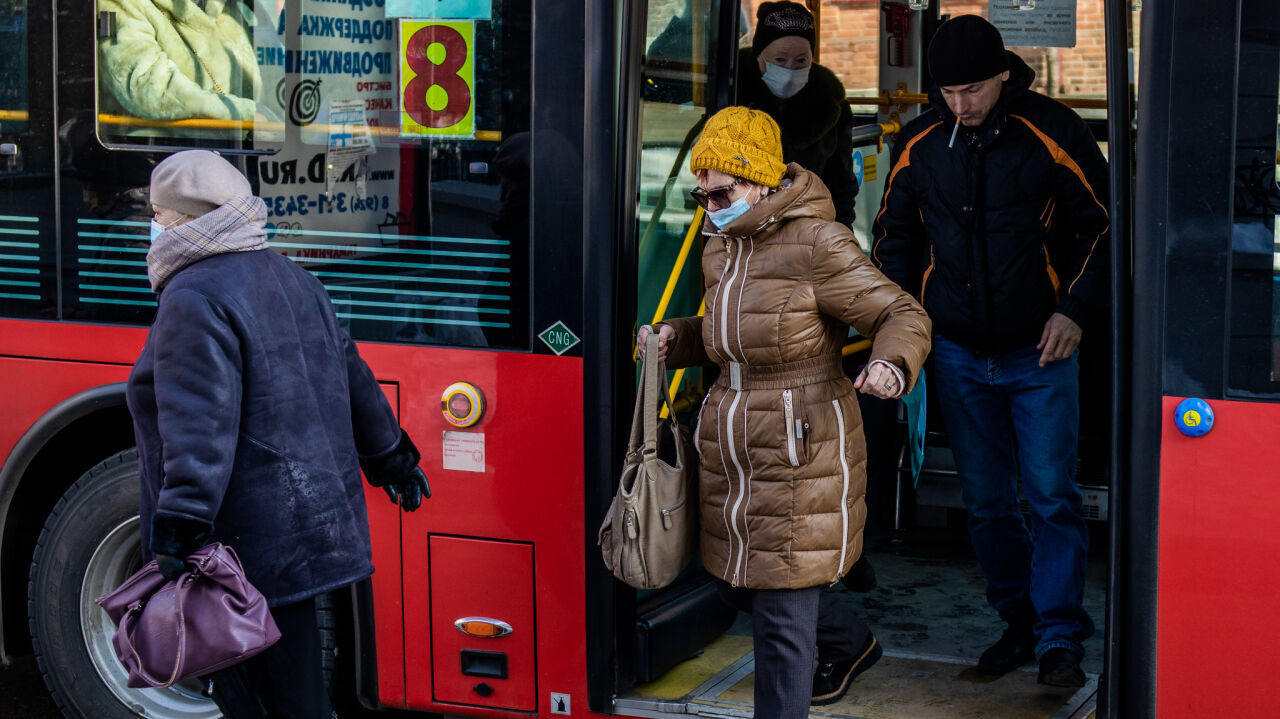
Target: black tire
[90, 543]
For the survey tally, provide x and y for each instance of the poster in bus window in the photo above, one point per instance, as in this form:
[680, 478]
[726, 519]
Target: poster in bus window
[437, 79]
[336, 76]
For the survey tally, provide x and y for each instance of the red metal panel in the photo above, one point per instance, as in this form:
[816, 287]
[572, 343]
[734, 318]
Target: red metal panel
[388, 604]
[1218, 578]
[470, 578]
[531, 491]
[33, 387]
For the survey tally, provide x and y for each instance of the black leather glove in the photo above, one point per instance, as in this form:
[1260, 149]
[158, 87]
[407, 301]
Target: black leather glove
[170, 566]
[397, 472]
[174, 538]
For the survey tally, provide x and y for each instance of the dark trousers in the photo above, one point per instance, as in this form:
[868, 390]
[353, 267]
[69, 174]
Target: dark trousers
[788, 627]
[284, 682]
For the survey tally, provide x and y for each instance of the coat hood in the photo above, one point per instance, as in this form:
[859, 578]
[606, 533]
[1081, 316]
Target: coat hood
[1021, 75]
[801, 194]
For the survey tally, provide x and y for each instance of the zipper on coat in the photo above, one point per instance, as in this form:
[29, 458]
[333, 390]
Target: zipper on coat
[723, 292]
[742, 494]
[844, 492]
[788, 413]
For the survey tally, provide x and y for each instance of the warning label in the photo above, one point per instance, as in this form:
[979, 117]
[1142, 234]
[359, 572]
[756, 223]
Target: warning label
[464, 451]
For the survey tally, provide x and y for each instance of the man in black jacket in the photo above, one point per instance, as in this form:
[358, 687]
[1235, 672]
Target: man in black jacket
[995, 216]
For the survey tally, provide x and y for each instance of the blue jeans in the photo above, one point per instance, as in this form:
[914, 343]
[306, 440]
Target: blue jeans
[1008, 420]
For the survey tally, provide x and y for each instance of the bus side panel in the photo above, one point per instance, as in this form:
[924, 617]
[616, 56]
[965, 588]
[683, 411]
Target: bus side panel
[1219, 498]
[527, 487]
[32, 387]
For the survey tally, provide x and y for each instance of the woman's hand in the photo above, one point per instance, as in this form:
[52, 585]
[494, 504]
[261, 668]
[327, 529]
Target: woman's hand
[878, 380]
[665, 335]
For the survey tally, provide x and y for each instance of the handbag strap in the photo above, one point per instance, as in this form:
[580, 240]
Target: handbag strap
[129, 621]
[650, 396]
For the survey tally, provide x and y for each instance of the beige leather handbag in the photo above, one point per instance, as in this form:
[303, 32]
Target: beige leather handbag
[651, 531]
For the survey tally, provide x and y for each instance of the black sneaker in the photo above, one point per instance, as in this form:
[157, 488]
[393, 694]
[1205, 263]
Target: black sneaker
[1016, 647]
[832, 680]
[1060, 668]
[861, 577]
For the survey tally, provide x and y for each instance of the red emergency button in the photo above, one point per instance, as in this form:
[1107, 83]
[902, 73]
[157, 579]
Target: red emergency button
[462, 404]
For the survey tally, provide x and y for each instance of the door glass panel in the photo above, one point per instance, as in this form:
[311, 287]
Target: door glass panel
[1254, 350]
[680, 42]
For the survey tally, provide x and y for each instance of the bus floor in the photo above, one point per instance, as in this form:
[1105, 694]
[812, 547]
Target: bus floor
[929, 612]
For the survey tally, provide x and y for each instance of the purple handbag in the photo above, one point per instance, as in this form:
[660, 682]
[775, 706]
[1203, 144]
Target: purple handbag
[208, 619]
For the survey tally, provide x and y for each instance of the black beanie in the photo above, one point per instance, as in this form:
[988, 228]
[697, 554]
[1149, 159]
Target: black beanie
[780, 19]
[966, 49]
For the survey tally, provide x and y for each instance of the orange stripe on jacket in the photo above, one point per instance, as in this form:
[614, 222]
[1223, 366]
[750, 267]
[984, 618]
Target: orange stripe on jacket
[903, 161]
[1061, 157]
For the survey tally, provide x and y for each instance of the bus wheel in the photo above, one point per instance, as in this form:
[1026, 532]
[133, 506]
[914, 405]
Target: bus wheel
[89, 545]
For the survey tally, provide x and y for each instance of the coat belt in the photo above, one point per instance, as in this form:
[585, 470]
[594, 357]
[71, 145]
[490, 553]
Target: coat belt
[736, 375]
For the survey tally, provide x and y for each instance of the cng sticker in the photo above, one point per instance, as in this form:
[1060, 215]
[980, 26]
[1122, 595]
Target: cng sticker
[437, 78]
[559, 338]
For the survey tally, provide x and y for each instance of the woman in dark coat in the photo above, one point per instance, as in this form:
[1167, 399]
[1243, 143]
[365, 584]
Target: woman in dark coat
[254, 415]
[777, 74]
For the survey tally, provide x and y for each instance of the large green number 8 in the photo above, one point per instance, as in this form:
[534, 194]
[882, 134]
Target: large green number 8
[443, 75]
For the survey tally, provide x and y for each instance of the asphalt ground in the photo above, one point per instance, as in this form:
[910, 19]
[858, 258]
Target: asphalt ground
[23, 694]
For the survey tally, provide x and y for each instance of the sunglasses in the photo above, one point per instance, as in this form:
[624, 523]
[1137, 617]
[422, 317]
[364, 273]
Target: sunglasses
[719, 195]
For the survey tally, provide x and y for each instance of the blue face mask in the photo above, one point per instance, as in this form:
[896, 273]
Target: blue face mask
[784, 83]
[722, 218]
[156, 229]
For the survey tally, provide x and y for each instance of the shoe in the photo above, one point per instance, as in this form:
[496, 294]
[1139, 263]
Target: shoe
[832, 680]
[1016, 647]
[861, 577]
[1060, 668]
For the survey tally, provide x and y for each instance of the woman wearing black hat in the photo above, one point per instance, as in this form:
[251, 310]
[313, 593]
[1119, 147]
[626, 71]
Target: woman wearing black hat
[777, 74]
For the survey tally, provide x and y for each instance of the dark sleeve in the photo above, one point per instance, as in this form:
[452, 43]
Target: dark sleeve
[376, 430]
[688, 350]
[1081, 192]
[198, 370]
[838, 173]
[897, 236]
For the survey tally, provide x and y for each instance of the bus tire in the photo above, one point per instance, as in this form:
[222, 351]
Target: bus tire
[90, 543]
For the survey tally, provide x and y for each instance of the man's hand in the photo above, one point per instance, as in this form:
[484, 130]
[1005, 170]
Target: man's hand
[665, 334]
[1059, 340]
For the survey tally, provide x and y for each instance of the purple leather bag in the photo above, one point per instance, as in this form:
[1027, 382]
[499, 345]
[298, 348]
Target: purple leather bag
[208, 619]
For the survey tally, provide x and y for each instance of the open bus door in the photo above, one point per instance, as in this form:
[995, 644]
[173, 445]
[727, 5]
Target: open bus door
[1196, 629]
[929, 609]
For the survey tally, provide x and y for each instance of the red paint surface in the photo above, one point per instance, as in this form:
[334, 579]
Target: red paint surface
[1219, 579]
[531, 490]
[480, 578]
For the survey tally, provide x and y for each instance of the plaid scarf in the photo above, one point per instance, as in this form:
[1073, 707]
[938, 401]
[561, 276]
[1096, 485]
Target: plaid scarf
[236, 226]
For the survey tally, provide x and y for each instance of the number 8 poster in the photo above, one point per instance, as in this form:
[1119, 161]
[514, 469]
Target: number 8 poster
[437, 78]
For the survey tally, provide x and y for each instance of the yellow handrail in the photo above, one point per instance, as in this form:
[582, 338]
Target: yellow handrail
[679, 375]
[205, 123]
[15, 115]
[674, 278]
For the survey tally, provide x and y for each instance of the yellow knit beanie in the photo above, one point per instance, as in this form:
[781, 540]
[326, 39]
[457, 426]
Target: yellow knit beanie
[741, 142]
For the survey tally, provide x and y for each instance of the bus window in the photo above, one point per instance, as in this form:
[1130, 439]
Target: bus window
[171, 74]
[397, 171]
[13, 66]
[680, 42]
[1254, 350]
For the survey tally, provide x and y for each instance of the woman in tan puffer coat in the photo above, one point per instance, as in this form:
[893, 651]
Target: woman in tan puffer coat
[783, 476]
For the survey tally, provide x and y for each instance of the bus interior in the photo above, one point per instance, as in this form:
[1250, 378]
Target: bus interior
[925, 597]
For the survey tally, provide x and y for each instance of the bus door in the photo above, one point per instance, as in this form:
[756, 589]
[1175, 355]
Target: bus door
[27, 161]
[1207, 365]
[929, 609]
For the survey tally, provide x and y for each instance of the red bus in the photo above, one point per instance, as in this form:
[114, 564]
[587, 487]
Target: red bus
[493, 192]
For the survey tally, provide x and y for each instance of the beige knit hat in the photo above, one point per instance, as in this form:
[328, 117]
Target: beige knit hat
[195, 182]
[741, 142]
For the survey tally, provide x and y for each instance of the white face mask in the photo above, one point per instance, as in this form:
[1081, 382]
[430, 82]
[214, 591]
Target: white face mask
[784, 83]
